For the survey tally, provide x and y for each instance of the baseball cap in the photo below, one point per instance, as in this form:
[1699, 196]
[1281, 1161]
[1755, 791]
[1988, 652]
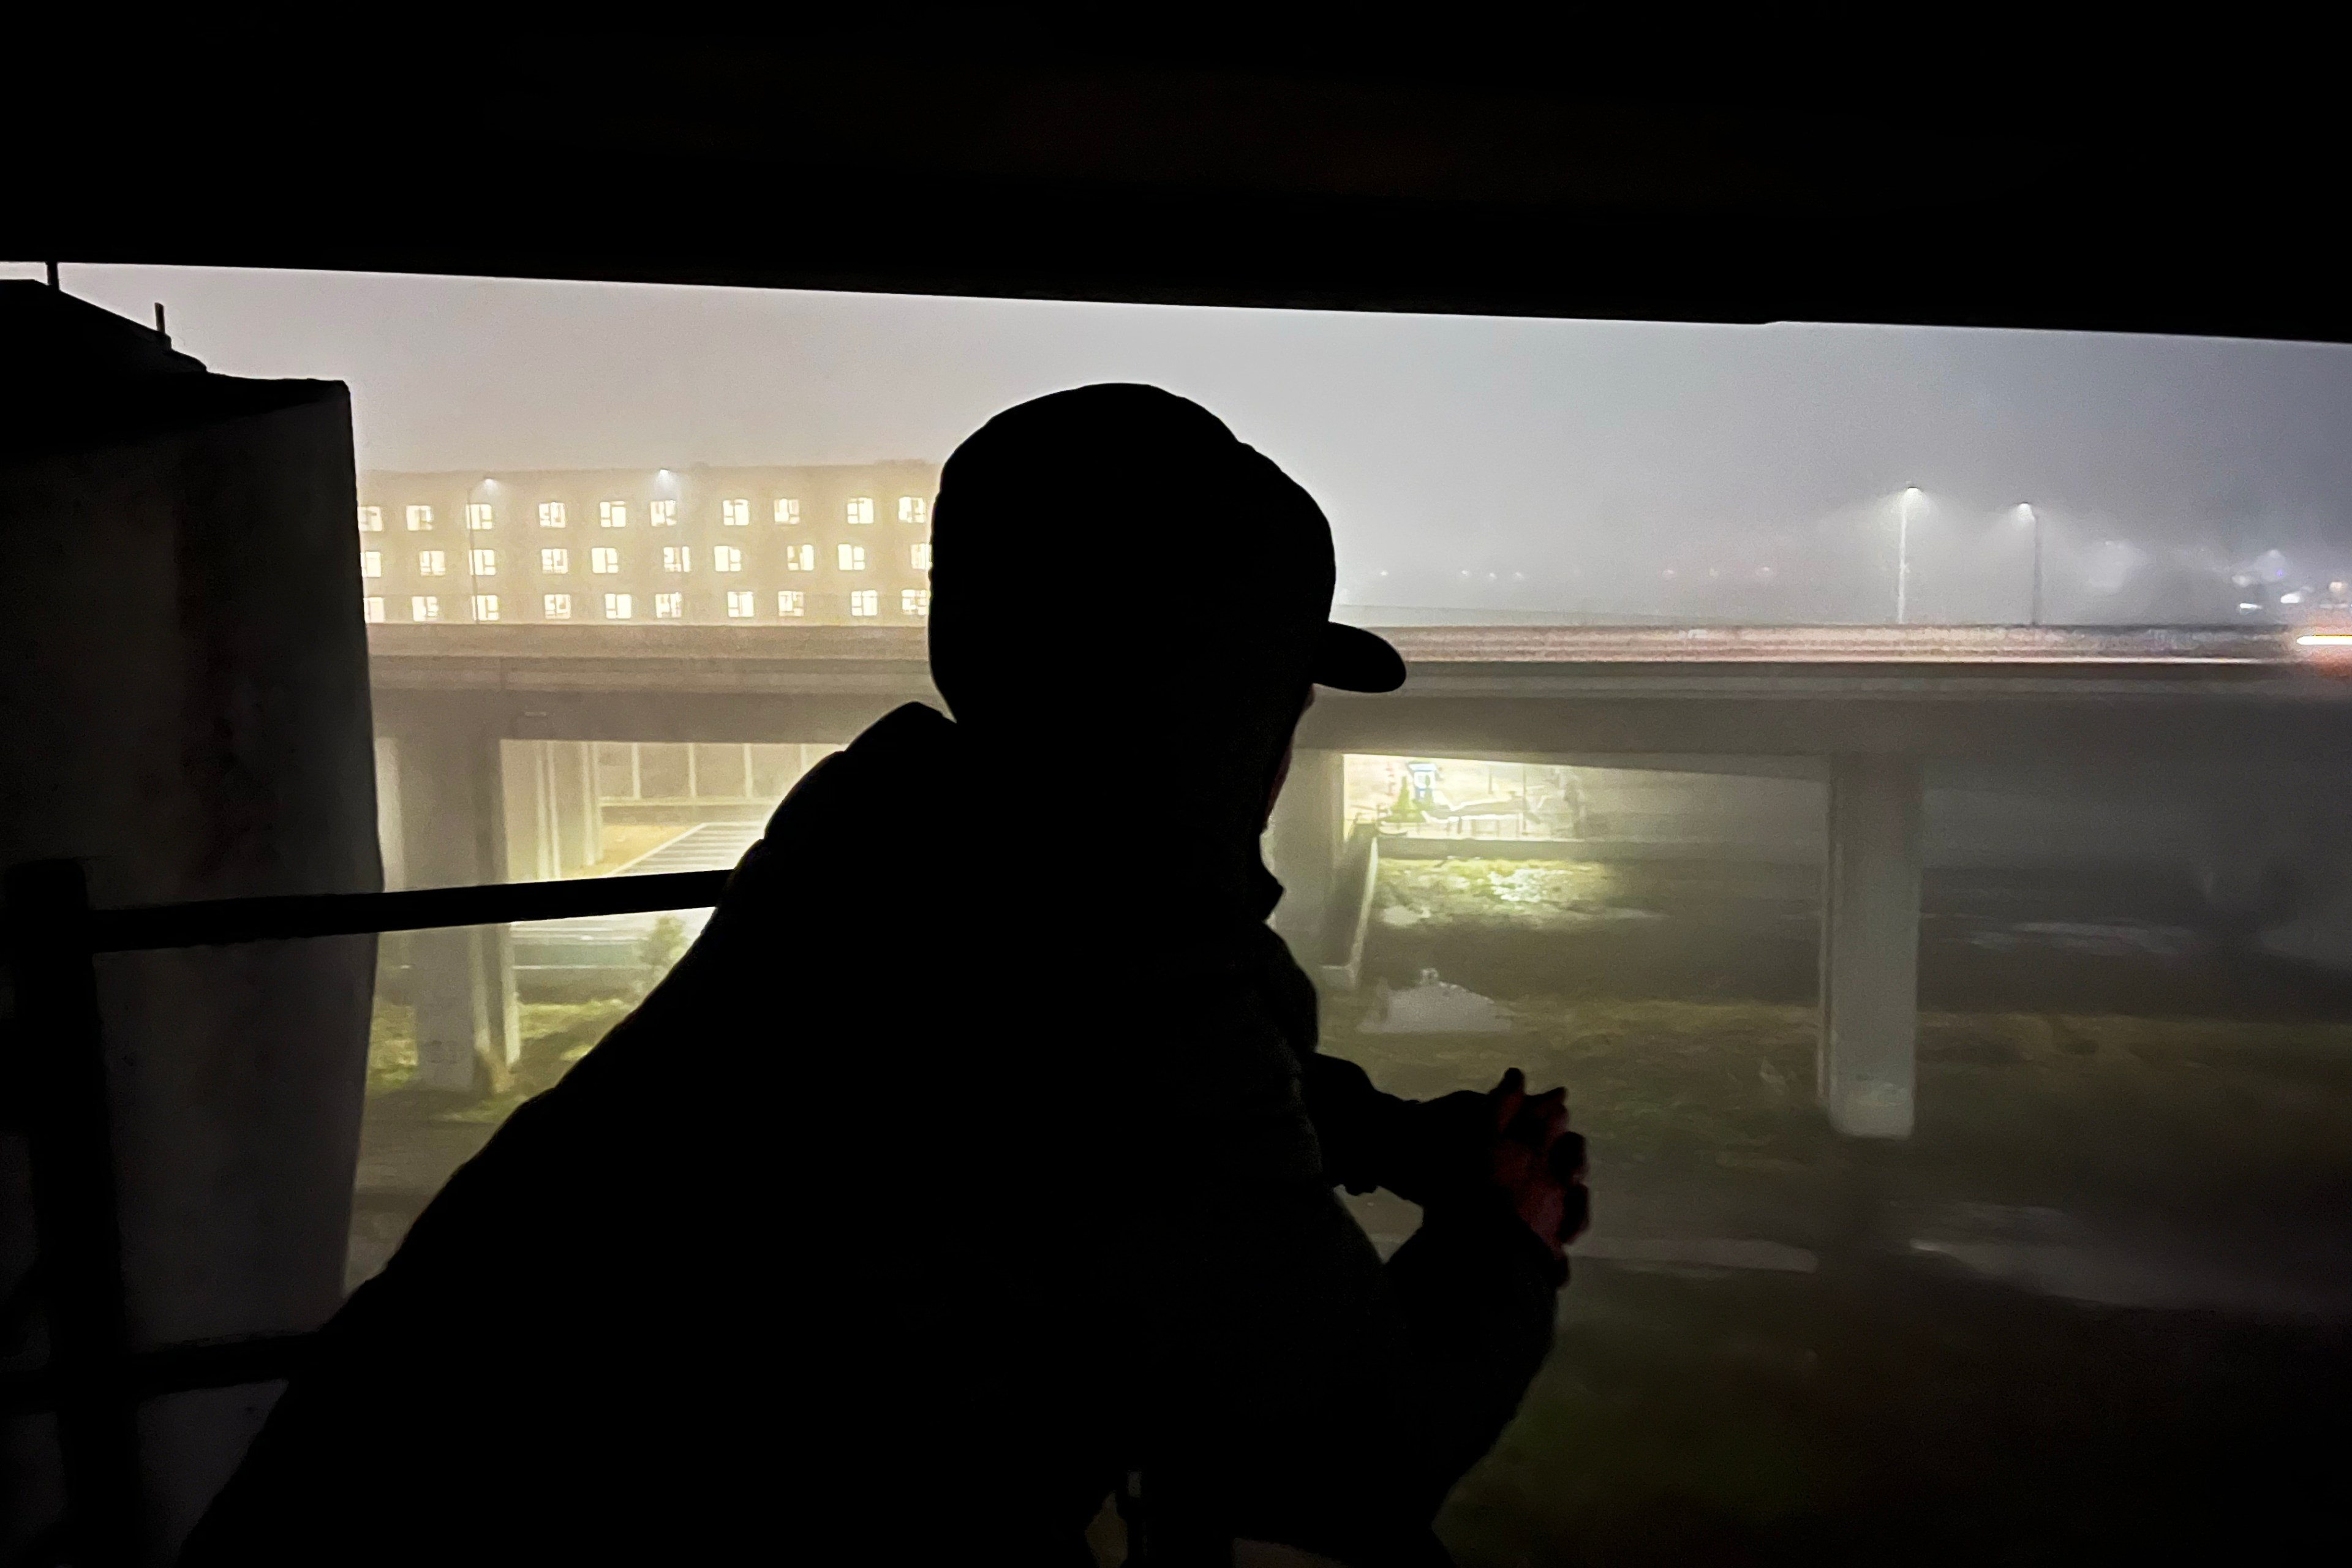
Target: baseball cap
[1200, 540]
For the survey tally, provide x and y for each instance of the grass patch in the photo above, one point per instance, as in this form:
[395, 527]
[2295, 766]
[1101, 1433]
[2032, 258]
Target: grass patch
[1883, 1408]
[2013, 1108]
[554, 1036]
[392, 1046]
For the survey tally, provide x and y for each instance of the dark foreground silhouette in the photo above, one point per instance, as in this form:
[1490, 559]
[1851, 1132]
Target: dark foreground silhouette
[757, 1332]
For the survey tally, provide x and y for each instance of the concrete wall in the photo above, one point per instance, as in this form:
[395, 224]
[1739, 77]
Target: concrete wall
[186, 705]
[461, 982]
[1303, 842]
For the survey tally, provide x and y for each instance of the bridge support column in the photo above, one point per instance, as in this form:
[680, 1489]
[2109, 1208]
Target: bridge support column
[1303, 844]
[1869, 947]
[468, 1029]
[553, 824]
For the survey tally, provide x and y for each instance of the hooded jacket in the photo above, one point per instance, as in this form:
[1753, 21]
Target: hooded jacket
[956, 1172]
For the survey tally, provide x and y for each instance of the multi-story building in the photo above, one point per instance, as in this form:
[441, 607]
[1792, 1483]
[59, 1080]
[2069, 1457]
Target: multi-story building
[831, 545]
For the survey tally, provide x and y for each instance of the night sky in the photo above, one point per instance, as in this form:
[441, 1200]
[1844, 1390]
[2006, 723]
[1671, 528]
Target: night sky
[1493, 464]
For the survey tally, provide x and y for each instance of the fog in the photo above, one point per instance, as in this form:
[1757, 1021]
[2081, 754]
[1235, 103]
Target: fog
[2088, 1298]
[1480, 466]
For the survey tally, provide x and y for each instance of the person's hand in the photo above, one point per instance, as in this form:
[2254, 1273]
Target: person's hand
[1537, 1163]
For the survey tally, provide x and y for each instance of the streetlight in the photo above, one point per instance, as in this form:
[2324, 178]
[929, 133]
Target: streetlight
[2033, 518]
[1909, 498]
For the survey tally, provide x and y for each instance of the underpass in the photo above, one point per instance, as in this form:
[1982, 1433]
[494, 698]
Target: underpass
[2248, 719]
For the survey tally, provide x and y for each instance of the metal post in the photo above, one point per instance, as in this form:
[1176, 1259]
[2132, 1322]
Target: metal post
[75, 1209]
[2036, 613]
[1903, 558]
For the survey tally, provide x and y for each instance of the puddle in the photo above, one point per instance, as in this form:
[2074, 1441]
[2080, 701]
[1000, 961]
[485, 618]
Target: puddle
[2097, 939]
[2054, 1253]
[1431, 1007]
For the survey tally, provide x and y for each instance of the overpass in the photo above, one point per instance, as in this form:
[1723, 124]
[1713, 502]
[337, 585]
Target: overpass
[1865, 709]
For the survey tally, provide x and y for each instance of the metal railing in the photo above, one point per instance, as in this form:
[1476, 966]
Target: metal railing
[93, 1380]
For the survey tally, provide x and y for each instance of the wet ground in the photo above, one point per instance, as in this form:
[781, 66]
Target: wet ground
[2095, 1307]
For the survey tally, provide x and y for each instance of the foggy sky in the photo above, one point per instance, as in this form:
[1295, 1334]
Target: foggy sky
[1578, 463]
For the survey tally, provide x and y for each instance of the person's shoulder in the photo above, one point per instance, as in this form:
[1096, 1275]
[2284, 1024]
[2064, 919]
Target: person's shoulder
[910, 729]
[907, 742]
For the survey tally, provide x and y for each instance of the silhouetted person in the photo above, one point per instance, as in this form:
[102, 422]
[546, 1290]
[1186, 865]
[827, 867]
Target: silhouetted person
[979, 1153]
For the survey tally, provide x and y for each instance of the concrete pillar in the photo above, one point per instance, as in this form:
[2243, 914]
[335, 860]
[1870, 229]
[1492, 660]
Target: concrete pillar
[529, 811]
[554, 825]
[579, 819]
[1869, 947]
[468, 1030]
[1304, 840]
[391, 834]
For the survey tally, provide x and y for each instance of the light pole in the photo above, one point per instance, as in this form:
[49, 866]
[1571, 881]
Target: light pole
[2033, 518]
[1903, 506]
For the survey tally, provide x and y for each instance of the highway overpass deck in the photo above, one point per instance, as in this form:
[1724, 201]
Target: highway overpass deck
[1979, 691]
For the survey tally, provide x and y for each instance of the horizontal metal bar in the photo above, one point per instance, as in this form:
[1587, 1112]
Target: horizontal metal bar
[176, 1369]
[221, 921]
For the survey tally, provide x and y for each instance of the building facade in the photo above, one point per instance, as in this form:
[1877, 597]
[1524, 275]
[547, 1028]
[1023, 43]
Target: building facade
[835, 545]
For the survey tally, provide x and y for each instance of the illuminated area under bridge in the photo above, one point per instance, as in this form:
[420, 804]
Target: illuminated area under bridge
[2232, 714]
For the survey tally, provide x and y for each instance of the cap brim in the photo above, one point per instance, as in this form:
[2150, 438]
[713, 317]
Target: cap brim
[1350, 658]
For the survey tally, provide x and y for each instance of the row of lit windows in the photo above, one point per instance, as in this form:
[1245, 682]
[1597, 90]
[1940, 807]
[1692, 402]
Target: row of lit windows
[742, 604]
[604, 559]
[480, 516]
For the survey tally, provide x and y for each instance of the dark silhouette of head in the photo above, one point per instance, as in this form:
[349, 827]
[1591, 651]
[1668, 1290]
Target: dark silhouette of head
[1113, 572]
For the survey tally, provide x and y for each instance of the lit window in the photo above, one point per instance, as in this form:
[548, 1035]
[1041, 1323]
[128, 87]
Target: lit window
[618, 607]
[664, 514]
[556, 607]
[726, 558]
[800, 557]
[431, 563]
[677, 558]
[478, 516]
[485, 606]
[791, 602]
[861, 511]
[486, 562]
[604, 558]
[919, 556]
[852, 557]
[741, 603]
[913, 509]
[370, 520]
[612, 514]
[866, 602]
[555, 561]
[420, 519]
[735, 514]
[371, 609]
[669, 607]
[425, 608]
[788, 511]
[370, 563]
[550, 514]
[914, 601]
